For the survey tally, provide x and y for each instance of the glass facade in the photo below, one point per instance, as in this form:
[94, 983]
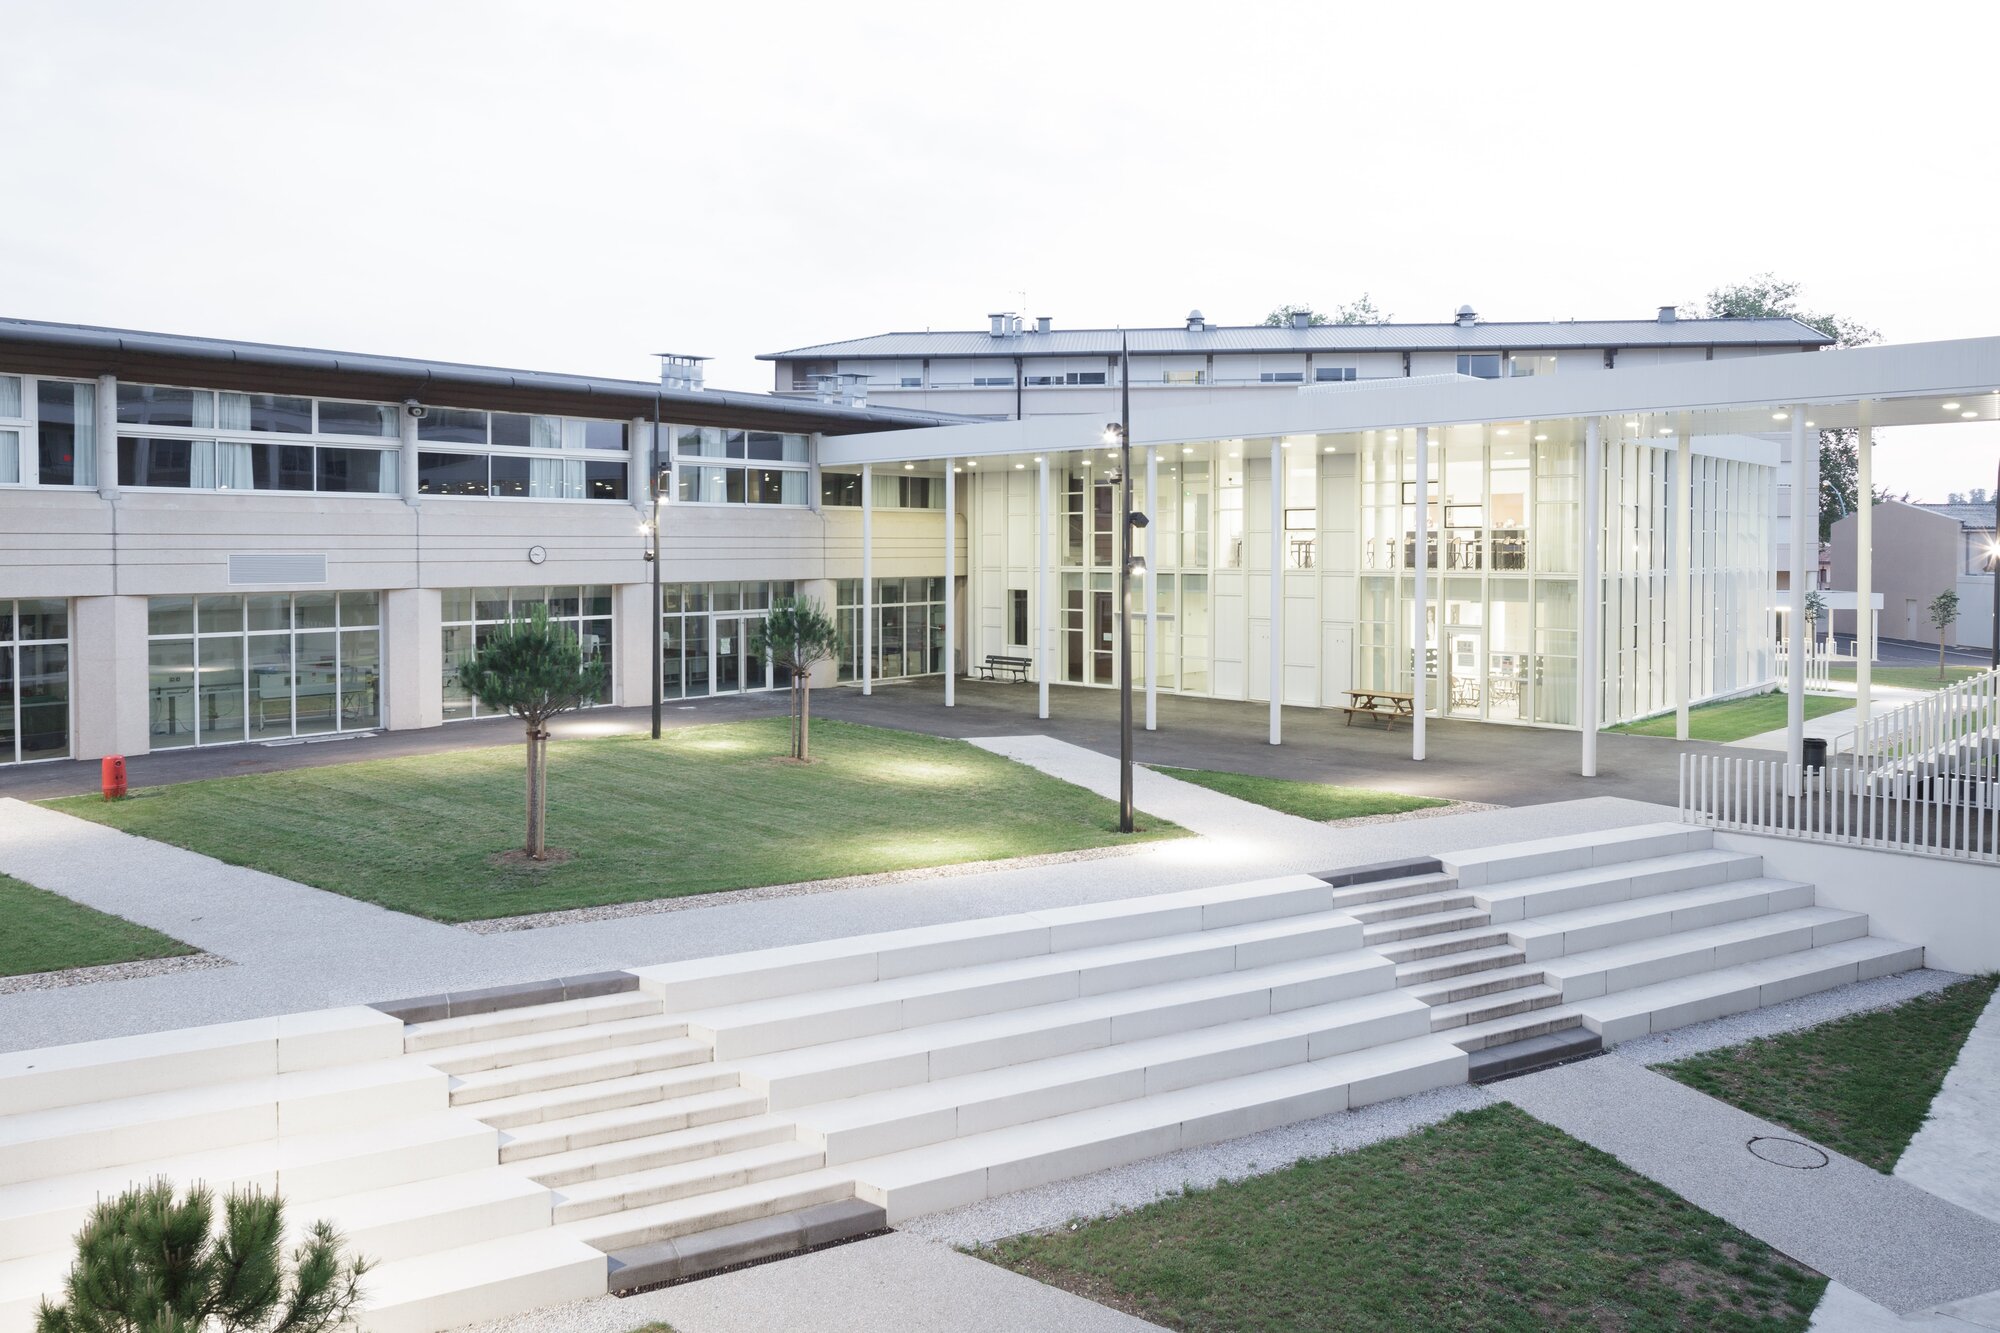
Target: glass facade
[180, 441]
[263, 666]
[713, 465]
[909, 628]
[470, 615]
[706, 638]
[34, 680]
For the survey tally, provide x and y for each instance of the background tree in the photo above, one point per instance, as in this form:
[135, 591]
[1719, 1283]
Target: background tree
[1944, 613]
[1766, 296]
[798, 635]
[1815, 612]
[1282, 316]
[148, 1262]
[1361, 310]
[534, 669]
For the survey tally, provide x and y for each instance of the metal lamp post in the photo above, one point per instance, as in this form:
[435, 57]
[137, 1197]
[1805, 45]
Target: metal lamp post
[1993, 560]
[657, 472]
[1119, 433]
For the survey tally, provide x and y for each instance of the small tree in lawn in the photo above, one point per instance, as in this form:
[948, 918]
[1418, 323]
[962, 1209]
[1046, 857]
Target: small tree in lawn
[148, 1262]
[798, 635]
[1944, 614]
[534, 669]
[1815, 614]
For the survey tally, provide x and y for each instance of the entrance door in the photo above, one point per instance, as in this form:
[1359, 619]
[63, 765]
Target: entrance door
[1103, 637]
[1465, 649]
[736, 666]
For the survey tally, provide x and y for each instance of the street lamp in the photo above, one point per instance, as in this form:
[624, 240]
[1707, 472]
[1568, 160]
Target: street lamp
[1993, 560]
[1119, 435]
[657, 473]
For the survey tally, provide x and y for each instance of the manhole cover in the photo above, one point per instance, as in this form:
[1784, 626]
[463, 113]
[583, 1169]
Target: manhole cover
[1787, 1152]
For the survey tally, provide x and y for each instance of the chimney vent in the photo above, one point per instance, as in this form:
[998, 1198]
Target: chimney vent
[845, 389]
[1302, 319]
[1195, 322]
[1042, 323]
[1668, 314]
[1467, 317]
[681, 371]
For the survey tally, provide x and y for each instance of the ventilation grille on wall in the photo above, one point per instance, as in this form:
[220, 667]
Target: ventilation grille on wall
[277, 567]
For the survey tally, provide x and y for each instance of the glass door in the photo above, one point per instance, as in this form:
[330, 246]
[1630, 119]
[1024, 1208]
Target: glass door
[1465, 650]
[1104, 637]
[727, 648]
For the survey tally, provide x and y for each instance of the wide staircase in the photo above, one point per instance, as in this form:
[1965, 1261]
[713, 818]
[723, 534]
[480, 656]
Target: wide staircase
[788, 1096]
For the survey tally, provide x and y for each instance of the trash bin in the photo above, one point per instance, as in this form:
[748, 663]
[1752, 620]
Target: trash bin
[112, 776]
[1815, 755]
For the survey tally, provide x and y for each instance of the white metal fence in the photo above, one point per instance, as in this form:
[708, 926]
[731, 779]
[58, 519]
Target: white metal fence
[1949, 733]
[1820, 659]
[1956, 818]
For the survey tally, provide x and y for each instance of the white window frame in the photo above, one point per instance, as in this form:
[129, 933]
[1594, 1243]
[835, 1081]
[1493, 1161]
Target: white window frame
[746, 464]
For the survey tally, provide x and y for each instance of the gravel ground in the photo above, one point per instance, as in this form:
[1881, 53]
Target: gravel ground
[1433, 812]
[84, 976]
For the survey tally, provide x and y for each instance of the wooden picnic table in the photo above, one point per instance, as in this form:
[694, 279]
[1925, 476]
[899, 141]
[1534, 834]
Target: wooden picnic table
[1387, 705]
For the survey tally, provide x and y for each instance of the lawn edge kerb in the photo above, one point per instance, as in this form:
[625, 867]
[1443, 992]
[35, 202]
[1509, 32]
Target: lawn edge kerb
[699, 812]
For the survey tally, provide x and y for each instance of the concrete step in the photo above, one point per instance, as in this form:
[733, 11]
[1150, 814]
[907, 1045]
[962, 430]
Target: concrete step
[1479, 867]
[1594, 886]
[1451, 922]
[1422, 904]
[124, 1067]
[942, 1050]
[1500, 1004]
[569, 1071]
[1561, 933]
[1487, 981]
[1731, 990]
[857, 960]
[1442, 967]
[662, 1184]
[900, 1118]
[68, 1139]
[1474, 1037]
[643, 1152]
[1410, 886]
[24, 1282]
[594, 1129]
[705, 1212]
[473, 1028]
[1621, 967]
[965, 1170]
[1529, 1054]
[1447, 942]
[310, 1166]
[425, 1216]
[578, 1039]
[473, 1283]
[759, 1027]
[570, 1100]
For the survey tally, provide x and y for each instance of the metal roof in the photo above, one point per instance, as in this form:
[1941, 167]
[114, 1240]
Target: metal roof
[85, 350]
[1326, 338]
[1978, 516]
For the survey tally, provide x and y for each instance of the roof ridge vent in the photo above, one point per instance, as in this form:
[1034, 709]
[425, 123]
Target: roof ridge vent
[1196, 323]
[1669, 314]
[1467, 317]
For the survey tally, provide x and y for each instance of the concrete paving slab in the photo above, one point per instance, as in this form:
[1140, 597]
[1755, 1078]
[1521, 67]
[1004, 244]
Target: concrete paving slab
[1956, 1155]
[1881, 1237]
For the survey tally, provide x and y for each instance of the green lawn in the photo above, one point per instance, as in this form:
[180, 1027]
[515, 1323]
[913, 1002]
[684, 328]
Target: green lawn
[1308, 800]
[701, 809]
[1861, 1085]
[1488, 1221]
[1733, 719]
[46, 932]
[1910, 678]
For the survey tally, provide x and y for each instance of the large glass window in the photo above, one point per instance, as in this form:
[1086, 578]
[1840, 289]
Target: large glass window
[65, 433]
[183, 442]
[13, 428]
[707, 638]
[470, 615]
[265, 666]
[908, 635]
[714, 465]
[34, 679]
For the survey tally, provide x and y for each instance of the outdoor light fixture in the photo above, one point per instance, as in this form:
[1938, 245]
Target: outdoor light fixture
[1968, 415]
[1781, 416]
[1540, 439]
[1951, 407]
[1119, 433]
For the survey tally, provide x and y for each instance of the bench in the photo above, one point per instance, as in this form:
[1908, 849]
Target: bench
[995, 667]
[1384, 704]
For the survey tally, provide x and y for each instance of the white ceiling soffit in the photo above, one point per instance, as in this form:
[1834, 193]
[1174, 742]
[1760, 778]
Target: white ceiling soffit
[1899, 384]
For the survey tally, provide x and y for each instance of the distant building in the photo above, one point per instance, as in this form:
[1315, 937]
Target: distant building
[1920, 551]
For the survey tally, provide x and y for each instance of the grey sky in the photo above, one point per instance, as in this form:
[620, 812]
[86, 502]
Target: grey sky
[575, 186]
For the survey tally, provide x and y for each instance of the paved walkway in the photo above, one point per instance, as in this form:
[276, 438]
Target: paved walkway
[301, 948]
[1837, 726]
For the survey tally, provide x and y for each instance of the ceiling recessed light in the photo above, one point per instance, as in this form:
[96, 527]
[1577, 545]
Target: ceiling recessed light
[1086, 462]
[1631, 425]
[1781, 416]
[1951, 407]
[1501, 433]
[1187, 448]
[960, 469]
[1540, 438]
[1968, 415]
[973, 463]
[1019, 466]
[909, 467]
[1812, 423]
[1327, 450]
[1038, 458]
[1666, 430]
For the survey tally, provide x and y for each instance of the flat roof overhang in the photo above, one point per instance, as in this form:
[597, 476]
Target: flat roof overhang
[1898, 385]
[34, 348]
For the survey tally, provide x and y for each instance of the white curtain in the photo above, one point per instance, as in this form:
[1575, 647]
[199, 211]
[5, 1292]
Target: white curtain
[233, 471]
[573, 434]
[545, 432]
[86, 433]
[10, 396]
[888, 492]
[555, 478]
[233, 413]
[201, 465]
[10, 456]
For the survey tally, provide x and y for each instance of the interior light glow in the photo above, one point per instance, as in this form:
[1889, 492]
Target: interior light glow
[1968, 415]
[1540, 438]
[1019, 466]
[1951, 407]
[1781, 416]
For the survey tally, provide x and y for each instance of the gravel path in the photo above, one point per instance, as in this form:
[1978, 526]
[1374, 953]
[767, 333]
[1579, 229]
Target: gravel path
[85, 976]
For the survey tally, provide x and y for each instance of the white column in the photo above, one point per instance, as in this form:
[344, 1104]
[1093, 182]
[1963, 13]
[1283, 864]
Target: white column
[104, 425]
[1590, 597]
[1150, 587]
[1680, 569]
[1864, 572]
[639, 467]
[1277, 589]
[406, 461]
[867, 578]
[109, 678]
[1045, 586]
[950, 586]
[1422, 592]
[1804, 511]
[413, 655]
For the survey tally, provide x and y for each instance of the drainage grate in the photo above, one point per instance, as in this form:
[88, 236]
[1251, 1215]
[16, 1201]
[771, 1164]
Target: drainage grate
[1787, 1152]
